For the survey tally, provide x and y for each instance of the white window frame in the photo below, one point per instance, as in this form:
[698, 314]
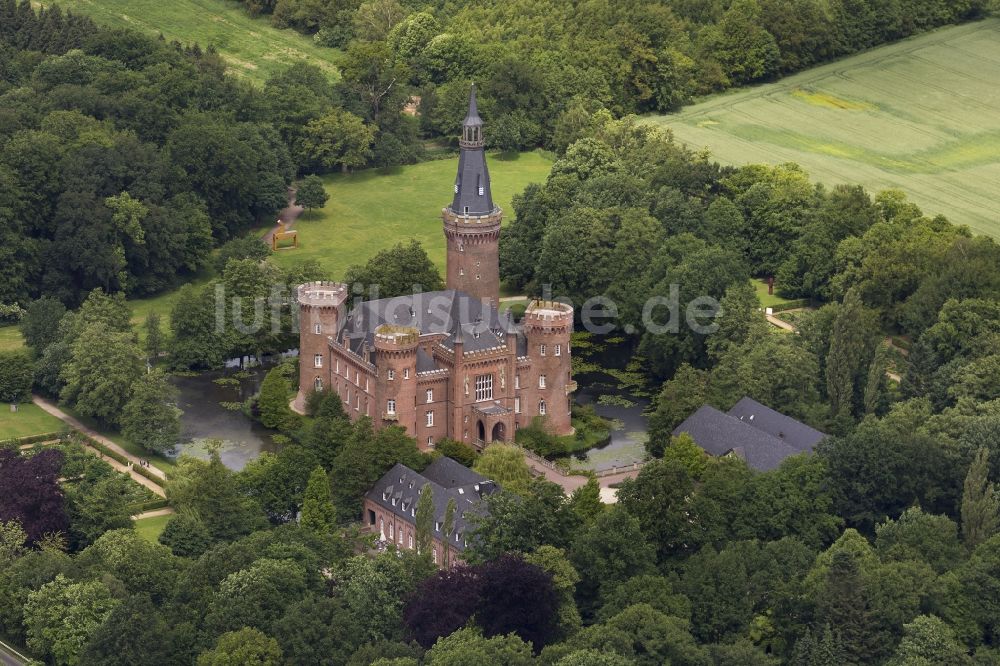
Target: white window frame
[541, 381]
[390, 406]
[517, 381]
[430, 395]
[484, 387]
[406, 373]
[390, 374]
[541, 349]
[430, 419]
[318, 384]
[541, 408]
[317, 360]
[517, 405]
[558, 350]
[318, 328]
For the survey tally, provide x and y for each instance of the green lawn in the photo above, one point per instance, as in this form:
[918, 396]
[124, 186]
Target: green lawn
[767, 300]
[374, 209]
[251, 47]
[10, 338]
[150, 528]
[922, 115]
[29, 420]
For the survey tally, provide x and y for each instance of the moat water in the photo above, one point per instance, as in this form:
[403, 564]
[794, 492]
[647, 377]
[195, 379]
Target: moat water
[208, 400]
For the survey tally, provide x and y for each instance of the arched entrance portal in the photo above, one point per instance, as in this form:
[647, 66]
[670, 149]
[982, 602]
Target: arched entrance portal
[498, 432]
[482, 432]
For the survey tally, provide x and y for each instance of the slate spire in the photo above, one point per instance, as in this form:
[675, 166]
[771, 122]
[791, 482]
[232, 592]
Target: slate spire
[472, 184]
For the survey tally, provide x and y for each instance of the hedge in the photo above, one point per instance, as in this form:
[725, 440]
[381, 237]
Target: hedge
[114, 455]
[792, 305]
[149, 505]
[34, 439]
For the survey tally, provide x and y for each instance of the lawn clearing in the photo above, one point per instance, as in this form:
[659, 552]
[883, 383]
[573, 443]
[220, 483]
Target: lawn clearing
[151, 528]
[922, 115]
[768, 300]
[27, 421]
[10, 338]
[251, 47]
[374, 209]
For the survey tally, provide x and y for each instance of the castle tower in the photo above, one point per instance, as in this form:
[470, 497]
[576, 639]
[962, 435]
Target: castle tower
[321, 308]
[547, 327]
[396, 385]
[472, 221]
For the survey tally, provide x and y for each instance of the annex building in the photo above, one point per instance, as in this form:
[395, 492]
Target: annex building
[446, 363]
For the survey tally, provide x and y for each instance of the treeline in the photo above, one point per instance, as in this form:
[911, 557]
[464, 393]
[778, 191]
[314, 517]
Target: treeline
[125, 159]
[540, 64]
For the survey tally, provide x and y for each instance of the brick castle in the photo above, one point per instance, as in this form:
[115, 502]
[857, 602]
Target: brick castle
[445, 363]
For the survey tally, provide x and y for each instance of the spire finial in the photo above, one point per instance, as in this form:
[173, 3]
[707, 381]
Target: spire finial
[472, 117]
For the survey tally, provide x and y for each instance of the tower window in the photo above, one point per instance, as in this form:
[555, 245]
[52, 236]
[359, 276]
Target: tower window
[318, 328]
[430, 418]
[318, 384]
[541, 350]
[390, 407]
[541, 381]
[517, 405]
[517, 381]
[558, 350]
[390, 374]
[318, 361]
[430, 395]
[406, 373]
[461, 271]
[541, 408]
[484, 387]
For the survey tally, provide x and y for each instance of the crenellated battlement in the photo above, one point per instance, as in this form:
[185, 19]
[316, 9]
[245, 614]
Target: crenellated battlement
[548, 315]
[390, 338]
[321, 294]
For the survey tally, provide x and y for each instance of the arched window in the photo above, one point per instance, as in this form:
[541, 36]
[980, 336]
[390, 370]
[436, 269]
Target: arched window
[541, 408]
[318, 384]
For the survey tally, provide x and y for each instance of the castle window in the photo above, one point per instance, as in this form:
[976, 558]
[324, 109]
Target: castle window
[461, 246]
[480, 191]
[435, 551]
[517, 381]
[318, 328]
[390, 374]
[400, 535]
[366, 384]
[430, 419]
[541, 350]
[541, 381]
[406, 373]
[461, 271]
[517, 405]
[390, 407]
[318, 384]
[411, 542]
[430, 442]
[357, 402]
[558, 350]
[390, 528]
[484, 387]
[338, 366]
[318, 361]
[430, 395]
[357, 378]
[541, 408]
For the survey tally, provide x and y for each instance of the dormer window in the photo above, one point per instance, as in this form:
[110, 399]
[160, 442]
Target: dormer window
[480, 191]
[456, 188]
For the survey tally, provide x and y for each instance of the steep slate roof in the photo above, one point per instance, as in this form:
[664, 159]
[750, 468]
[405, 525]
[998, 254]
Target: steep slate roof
[720, 434]
[795, 433]
[399, 490]
[472, 171]
[449, 312]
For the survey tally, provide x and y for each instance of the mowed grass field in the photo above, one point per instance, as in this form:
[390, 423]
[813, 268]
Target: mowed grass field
[251, 47]
[27, 421]
[374, 209]
[922, 115]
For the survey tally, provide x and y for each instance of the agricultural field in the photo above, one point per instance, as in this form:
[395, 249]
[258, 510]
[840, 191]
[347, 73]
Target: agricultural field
[922, 115]
[374, 209]
[251, 47]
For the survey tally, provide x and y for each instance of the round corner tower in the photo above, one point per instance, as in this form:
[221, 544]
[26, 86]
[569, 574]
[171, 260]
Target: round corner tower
[472, 221]
[396, 384]
[321, 308]
[547, 327]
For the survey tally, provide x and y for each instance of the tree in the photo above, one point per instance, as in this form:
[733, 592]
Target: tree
[257, 596]
[980, 502]
[318, 514]
[154, 335]
[100, 372]
[424, 520]
[141, 567]
[463, 453]
[13, 540]
[338, 138]
[32, 496]
[442, 604]
[275, 392]
[928, 640]
[520, 598]
[654, 590]
[505, 465]
[209, 490]
[468, 646]
[374, 591]
[679, 398]
[400, 270]
[40, 324]
[151, 418]
[844, 603]
[586, 502]
[98, 506]
[186, 535]
[244, 646]
[917, 535]
[17, 371]
[310, 193]
[62, 615]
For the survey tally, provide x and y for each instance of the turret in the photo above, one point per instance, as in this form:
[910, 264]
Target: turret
[396, 385]
[321, 308]
[547, 327]
[472, 221]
